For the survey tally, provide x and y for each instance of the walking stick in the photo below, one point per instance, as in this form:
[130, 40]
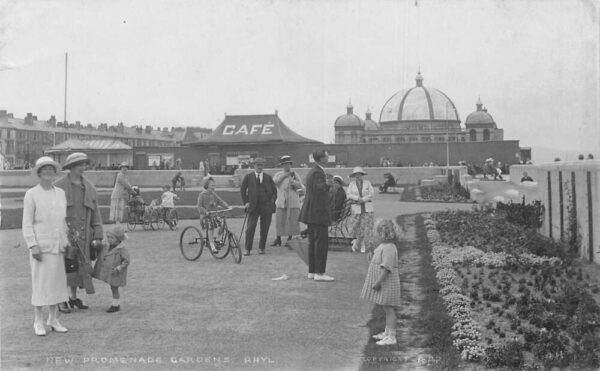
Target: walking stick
[243, 225]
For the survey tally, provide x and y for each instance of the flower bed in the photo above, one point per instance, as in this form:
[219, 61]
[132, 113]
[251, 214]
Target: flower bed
[516, 300]
[442, 192]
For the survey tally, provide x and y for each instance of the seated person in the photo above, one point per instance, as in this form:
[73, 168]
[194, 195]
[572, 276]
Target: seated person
[208, 201]
[526, 178]
[168, 199]
[337, 198]
[178, 178]
[389, 182]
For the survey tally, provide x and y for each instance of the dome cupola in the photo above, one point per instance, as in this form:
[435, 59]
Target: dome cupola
[480, 118]
[349, 120]
[419, 103]
[370, 124]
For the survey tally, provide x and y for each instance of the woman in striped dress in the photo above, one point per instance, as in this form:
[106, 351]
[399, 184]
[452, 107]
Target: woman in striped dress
[382, 284]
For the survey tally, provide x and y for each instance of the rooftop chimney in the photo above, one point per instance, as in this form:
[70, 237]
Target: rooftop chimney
[3, 113]
[29, 119]
[148, 129]
[52, 121]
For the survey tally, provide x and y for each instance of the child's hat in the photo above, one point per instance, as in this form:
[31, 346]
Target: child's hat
[117, 232]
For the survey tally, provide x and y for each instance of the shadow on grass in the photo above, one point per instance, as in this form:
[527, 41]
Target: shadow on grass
[433, 319]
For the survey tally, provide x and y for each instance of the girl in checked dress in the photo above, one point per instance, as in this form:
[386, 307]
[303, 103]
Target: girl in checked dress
[382, 284]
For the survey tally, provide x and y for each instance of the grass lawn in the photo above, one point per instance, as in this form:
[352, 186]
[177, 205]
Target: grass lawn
[206, 314]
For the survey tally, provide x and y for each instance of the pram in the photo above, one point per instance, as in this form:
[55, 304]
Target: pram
[138, 213]
[340, 234]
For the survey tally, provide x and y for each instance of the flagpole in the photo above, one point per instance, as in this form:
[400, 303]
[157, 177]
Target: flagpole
[65, 112]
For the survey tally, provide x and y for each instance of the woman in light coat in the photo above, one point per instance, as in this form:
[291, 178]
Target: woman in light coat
[120, 194]
[360, 193]
[288, 201]
[45, 233]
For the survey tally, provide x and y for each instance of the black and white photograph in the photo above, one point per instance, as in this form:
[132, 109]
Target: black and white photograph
[300, 185]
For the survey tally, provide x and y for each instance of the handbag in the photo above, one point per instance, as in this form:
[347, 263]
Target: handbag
[71, 265]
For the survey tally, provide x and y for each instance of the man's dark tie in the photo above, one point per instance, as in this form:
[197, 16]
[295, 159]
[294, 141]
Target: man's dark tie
[258, 178]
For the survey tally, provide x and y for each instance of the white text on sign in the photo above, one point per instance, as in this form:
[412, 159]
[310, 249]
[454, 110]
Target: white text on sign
[261, 129]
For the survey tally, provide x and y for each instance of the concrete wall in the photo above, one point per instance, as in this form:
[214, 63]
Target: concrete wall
[561, 186]
[106, 179]
[157, 178]
[403, 175]
[350, 154]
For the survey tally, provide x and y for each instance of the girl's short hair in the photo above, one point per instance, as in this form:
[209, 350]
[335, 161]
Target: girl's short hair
[386, 230]
[209, 179]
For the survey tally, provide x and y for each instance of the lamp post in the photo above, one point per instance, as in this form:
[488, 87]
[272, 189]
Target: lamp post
[448, 142]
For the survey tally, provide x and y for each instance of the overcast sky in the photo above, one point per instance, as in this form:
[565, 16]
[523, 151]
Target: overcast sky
[535, 64]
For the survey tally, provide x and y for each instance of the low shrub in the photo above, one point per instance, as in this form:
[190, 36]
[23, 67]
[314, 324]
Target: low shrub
[509, 355]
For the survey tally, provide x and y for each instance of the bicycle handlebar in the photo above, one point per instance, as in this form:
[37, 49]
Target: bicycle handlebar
[219, 211]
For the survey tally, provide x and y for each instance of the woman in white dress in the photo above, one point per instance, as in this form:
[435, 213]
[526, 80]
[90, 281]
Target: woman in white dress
[287, 203]
[360, 193]
[45, 233]
[120, 194]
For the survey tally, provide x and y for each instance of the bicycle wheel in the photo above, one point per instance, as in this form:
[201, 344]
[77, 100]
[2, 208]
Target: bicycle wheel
[191, 243]
[234, 248]
[154, 218]
[161, 219]
[147, 220]
[172, 220]
[131, 216]
[221, 247]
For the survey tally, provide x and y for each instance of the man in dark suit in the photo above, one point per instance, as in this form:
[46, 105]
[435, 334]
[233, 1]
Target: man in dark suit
[258, 194]
[315, 214]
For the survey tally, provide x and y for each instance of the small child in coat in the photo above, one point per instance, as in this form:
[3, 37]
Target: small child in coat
[382, 284]
[111, 266]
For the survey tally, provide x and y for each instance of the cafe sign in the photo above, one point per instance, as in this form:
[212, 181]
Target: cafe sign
[246, 129]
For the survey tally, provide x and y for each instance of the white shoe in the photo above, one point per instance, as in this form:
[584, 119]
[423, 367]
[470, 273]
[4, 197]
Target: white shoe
[388, 340]
[380, 336]
[39, 329]
[311, 276]
[363, 250]
[56, 326]
[323, 277]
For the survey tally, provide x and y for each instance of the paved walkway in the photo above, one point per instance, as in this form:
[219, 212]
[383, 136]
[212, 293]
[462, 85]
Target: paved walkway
[215, 309]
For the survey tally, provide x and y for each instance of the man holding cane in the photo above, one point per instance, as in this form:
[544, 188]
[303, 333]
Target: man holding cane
[258, 194]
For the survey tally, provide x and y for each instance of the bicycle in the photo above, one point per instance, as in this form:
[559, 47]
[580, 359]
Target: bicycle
[158, 219]
[192, 242]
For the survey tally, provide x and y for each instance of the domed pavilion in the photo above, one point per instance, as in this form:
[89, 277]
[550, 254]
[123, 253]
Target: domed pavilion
[418, 114]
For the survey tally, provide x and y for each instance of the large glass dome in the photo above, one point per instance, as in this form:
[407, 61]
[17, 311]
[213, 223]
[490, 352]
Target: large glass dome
[419, 104]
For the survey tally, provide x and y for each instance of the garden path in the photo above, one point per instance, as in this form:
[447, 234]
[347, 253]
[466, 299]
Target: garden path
[410, 353]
